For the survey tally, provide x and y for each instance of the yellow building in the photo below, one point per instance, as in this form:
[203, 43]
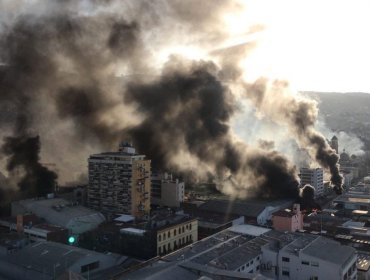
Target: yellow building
[174, 236]
[119, 183]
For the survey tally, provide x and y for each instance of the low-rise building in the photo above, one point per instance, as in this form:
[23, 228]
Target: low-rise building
[50, 260]
[251, 252]
[76, 218]
[164, 233]
[166, 191]
[288, 220]
[258, 212]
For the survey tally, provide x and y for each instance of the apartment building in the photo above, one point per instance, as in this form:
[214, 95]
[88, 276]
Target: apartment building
[313, 177]
[119, 183]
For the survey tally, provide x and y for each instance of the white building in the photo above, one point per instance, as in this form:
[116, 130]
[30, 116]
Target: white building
[166, 191]
[309, 257]
[119, 183]
[251, 252]
[313, 177]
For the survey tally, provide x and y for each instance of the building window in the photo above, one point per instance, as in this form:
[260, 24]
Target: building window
[174, 232]
[183, 229]
[169, 234]
[284, 259]
[169, 247]
[183, 240]
[159, 238]
[159, 250]
[164, 236]
[314, 264]
[285, 273]
[190, 226]
[175, 245]
[258, 258]
[305, 262]
[314, 278]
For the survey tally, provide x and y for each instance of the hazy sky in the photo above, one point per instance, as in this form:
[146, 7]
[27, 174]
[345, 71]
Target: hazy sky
[317, 45]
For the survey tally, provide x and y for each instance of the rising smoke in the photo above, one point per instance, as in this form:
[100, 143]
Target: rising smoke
[59, 77]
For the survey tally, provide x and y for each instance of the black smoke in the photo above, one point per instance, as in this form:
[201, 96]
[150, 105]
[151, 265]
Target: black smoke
[188, 110]
[23, 158]
[60, 71]
[300, 114]
[307, 198]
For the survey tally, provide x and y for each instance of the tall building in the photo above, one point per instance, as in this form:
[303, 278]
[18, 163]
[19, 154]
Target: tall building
[119, 183]
[313, 177]
[334, 143]
[167, 191]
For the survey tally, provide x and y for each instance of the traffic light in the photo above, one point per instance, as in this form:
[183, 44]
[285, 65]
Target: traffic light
[71, 239]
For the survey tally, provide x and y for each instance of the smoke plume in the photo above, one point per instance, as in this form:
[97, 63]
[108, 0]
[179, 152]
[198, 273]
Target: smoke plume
[86, 76]
[276, 101]
[23, 157]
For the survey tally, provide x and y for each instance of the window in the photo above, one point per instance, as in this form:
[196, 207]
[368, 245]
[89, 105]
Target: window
[258, 267]
[159, 238]
[314, 264]
[159, 250]
[314, 278]
[284, 259]
[164, 236]
[183, 240]
[190, 226]
[258, 258]
[174, 232]
[169, 247]
[183, 229]
[285, 273]
[89, 267]
[169, 234]
[305, 262]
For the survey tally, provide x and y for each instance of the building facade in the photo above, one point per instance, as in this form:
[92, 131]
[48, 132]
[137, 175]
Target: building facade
[285, 220]
[166, 191]
[119, 183]
[173, 237]
[313, 177]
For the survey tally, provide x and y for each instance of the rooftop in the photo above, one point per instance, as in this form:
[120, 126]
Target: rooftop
[61, 212]
[51, 257]
[284, 213]
[329, 250]
[363, 261]
[242, 208]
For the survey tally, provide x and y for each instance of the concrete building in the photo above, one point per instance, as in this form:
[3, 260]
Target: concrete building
[49, 260]
[76, 218]
[172, 237]
[119, 183]
[309, 257]
[163, 234]
[251, 252]
[313, 177]
[334, 143]
[166, 191]
[288, 220]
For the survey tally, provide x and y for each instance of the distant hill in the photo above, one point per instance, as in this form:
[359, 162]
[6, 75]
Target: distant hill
[333, 103]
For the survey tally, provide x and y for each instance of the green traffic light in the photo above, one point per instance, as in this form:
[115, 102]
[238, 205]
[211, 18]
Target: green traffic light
[71, 239]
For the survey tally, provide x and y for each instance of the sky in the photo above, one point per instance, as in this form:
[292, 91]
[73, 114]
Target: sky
[316, 45]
